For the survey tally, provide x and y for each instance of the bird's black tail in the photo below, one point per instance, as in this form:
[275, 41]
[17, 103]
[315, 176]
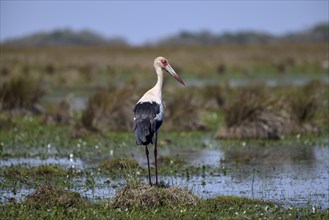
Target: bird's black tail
[143, 132]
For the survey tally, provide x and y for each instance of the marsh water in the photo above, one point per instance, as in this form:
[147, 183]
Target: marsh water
[293, 175]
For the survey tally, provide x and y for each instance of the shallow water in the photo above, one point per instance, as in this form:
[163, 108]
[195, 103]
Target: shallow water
[283, 80]
[291, 176]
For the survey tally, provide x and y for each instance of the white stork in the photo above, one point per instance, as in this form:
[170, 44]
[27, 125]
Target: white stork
[149, 113]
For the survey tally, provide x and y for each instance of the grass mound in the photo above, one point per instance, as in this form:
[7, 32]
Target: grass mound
[145, 196]
[50, 196]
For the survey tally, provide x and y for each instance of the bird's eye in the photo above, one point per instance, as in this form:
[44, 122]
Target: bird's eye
[164, 62]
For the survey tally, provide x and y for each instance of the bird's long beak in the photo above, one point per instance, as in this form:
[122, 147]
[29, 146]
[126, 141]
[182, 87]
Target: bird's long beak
[170, 70]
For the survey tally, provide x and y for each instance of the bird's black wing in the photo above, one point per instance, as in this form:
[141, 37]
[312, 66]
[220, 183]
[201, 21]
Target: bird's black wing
[145, 124]
[145, 110]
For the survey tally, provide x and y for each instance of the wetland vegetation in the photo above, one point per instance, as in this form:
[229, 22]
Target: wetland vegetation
[246, 138]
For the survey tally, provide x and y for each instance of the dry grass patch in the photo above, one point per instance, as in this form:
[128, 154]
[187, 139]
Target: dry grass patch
[145, 196]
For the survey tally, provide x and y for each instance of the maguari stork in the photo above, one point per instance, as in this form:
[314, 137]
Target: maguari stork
[149, 113]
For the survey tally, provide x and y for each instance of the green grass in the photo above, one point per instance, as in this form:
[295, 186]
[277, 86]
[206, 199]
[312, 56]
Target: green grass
[216, 208]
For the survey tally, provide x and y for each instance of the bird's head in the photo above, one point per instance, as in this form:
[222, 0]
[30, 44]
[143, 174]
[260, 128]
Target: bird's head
[164, 64]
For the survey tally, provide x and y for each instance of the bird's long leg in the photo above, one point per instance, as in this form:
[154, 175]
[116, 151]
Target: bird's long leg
[155, 157]
[148, 164]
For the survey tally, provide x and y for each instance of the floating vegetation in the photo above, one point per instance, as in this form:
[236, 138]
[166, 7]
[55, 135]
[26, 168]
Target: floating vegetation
[119, 164]
[42, 171]
[168, 160]
[50, 196]
[147, 197]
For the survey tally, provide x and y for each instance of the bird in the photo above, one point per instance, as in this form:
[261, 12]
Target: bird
[149, 113]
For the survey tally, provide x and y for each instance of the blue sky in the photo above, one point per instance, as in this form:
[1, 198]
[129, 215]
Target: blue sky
[147, 21]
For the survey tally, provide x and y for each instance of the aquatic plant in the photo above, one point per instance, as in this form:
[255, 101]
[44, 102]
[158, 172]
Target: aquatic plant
[168, 160]
[42, 171]
[119, 164]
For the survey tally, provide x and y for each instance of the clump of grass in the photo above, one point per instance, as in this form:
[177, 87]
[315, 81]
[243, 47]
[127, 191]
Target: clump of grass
[109, 110]
[249, 115]
[60, 114]
[183, 113]
[253, 113]
[304, 105]
[247, 104]
[21, 93]
[147, 197]
[50, 196]
[119, 164]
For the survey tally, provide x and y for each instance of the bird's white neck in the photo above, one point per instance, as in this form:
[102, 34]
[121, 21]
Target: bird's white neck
[155, 94]
[158, 86]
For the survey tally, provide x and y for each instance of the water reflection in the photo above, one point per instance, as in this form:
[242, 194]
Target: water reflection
[269, 155]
